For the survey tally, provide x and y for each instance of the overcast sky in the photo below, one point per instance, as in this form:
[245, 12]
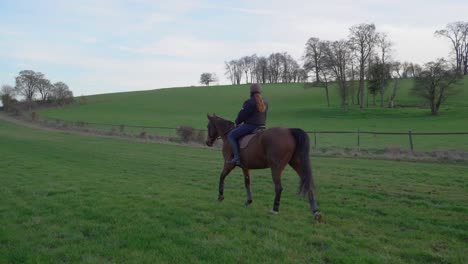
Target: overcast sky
[109, 46]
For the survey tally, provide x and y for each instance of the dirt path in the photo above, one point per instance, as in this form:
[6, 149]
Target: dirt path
[91, 133]
[440, 156]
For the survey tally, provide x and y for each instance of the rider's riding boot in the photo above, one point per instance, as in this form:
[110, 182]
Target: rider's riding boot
[235, 151]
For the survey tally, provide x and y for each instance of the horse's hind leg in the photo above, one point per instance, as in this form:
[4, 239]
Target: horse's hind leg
[276, 174]
[247, 186]
[296, 165]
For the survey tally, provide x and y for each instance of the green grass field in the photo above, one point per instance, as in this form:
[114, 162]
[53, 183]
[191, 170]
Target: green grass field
[290, 105]
[68, 199]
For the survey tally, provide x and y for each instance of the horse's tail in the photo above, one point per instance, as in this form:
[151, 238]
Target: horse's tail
[302, 151]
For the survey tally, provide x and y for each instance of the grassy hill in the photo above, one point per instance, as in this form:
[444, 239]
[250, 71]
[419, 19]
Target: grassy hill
[68, 198]
[290, 105]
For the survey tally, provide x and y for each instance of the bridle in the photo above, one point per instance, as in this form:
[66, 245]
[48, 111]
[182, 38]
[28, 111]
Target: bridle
[212, 140]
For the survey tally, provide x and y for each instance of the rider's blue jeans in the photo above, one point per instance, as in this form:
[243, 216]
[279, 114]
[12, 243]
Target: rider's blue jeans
[237, 133]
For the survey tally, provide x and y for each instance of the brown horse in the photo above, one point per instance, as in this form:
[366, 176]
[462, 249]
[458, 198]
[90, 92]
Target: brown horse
[273, 148]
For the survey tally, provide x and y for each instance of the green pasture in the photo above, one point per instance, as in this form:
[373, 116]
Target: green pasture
[290, 105]
[77, 199]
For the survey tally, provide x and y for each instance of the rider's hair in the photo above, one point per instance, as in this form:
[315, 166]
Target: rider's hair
[260, 103]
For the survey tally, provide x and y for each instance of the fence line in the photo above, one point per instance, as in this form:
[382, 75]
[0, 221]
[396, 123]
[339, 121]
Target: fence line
[309, 132]
[387, 133]
[358, 132]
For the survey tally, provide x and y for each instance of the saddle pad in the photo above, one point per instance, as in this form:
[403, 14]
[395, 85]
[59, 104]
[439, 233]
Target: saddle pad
[244, 142]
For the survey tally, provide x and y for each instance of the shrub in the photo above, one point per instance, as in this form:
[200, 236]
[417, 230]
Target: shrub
[187, 133]
[201, 136]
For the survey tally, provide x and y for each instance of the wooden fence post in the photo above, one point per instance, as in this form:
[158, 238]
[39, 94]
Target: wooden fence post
[410, 135]
[358, 140]
[315, 139]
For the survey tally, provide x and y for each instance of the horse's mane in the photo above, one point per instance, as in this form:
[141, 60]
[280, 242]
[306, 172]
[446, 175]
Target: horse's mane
[224, 124]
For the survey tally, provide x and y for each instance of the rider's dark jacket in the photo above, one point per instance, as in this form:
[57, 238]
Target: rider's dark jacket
[249, 113]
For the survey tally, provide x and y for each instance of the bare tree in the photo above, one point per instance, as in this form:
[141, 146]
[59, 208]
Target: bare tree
[274, 67]
[379, 75]
[206, 78]
[301, 75]
[44, 87]
[7, 94]
[396, 70]
[405, 69]
[261, 70]
[27, 83]
[436, 83]
[234, 71]
[338, 54]
[315, 60]
[8, 90]
[457, 33]
[61, 93]
[416, 70]
[362, 38]
[313, 57]
[238, 71]
[229, 66]
[289, 66]
[245, 63]
[353, 62]
[253, 67]
[385, 47]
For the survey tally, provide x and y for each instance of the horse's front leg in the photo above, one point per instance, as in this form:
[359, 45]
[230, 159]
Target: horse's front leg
[226, 170]
[247, 186]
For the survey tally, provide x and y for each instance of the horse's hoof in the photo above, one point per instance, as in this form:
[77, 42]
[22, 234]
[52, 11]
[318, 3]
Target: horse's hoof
[318, 217]
[248, 203]
[220, 198]
[274, 212]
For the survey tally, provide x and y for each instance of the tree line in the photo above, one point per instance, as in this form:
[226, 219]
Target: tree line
[33, 88]
[362, 60]
[275, 68]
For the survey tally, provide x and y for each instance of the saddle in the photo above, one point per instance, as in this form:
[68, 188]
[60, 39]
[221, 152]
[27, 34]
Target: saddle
[244, 141]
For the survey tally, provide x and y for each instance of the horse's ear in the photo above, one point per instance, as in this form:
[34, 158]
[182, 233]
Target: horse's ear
[208, 116]
[214, 115]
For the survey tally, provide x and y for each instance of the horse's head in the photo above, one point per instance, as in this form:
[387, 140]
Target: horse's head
[217, 127]
[212, 131]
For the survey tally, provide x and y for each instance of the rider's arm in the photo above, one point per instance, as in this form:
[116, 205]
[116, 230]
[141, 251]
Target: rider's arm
[245, 112]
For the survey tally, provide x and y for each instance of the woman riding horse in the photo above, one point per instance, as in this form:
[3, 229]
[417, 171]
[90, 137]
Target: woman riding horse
[252, 116]
[274, 148]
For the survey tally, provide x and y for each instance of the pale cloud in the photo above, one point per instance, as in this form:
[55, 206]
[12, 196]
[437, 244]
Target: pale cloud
[5, 32]
[147, 44]
[119, 74]
[249, 11]
[416, 44]
[25, 66]
[88, 40]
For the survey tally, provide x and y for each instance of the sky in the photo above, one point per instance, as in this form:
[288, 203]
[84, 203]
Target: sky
[111, 46]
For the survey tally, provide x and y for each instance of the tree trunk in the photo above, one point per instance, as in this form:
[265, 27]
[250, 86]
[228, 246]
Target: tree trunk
[326, 93]
[381, 98]
[465, 72]
[361, 85]
[358, 96]
[344, 101]
[367, 97]
[434, 108]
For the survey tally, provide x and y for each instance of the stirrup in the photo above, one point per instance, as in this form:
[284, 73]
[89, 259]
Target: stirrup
[235, 162]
